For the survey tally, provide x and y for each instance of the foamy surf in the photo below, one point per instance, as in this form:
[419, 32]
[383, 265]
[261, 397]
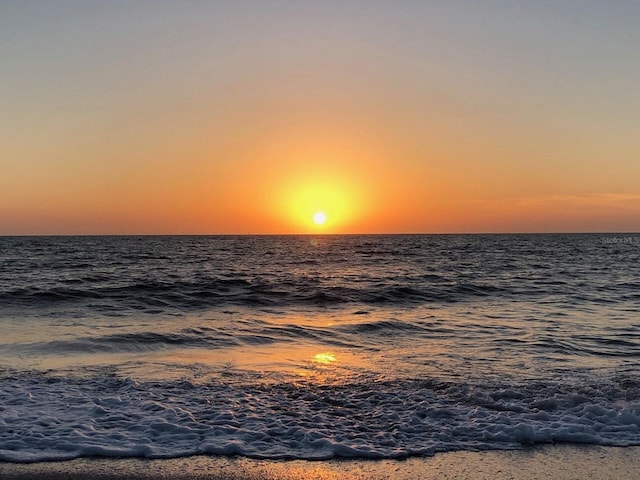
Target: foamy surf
[46, 417]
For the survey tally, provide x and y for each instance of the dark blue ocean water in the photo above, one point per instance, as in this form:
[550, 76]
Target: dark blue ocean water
[316, 346]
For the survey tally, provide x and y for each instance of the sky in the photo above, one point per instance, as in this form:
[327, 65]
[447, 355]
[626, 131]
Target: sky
[235, 117]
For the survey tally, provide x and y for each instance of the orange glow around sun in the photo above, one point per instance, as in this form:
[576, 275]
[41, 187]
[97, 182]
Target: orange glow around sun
[321, 180]
[330, 205]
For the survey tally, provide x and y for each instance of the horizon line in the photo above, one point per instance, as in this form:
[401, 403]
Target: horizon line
[311, 234]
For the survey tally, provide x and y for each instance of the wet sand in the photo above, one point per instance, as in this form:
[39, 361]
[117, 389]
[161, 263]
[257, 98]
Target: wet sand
[558, 462]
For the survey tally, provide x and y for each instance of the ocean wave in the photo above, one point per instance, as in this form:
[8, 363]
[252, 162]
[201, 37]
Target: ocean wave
[240, 333]
[212, 293]
[56, 418]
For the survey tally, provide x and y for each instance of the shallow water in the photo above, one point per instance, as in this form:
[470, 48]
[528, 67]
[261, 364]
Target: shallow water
[316, 347]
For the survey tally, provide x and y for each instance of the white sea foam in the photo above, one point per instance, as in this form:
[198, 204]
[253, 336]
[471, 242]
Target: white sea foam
[45, 418]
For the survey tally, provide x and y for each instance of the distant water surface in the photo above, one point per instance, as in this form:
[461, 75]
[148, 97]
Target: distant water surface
[316, 347]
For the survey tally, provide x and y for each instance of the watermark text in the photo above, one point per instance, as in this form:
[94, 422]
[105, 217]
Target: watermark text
[622, 240]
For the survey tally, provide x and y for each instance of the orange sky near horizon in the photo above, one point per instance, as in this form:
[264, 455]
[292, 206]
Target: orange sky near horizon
[218, 118]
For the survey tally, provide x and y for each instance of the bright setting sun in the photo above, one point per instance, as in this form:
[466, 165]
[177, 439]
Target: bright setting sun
[333, 202]
[319, 218]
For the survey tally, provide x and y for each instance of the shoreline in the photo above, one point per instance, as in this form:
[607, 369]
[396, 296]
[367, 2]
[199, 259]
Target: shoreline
[558, 462]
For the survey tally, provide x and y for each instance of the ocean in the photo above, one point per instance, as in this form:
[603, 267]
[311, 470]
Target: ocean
[316, 347]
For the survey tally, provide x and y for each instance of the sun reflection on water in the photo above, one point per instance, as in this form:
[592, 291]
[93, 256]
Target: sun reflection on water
[322, 368]
[324, 358]
[306, 363]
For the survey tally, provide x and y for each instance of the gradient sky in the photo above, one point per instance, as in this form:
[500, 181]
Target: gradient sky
[146, 117]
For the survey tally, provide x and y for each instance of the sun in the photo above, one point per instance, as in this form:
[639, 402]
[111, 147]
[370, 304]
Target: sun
[319, 218]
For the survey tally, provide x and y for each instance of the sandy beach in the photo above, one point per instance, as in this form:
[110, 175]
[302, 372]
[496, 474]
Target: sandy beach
[558, 462]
